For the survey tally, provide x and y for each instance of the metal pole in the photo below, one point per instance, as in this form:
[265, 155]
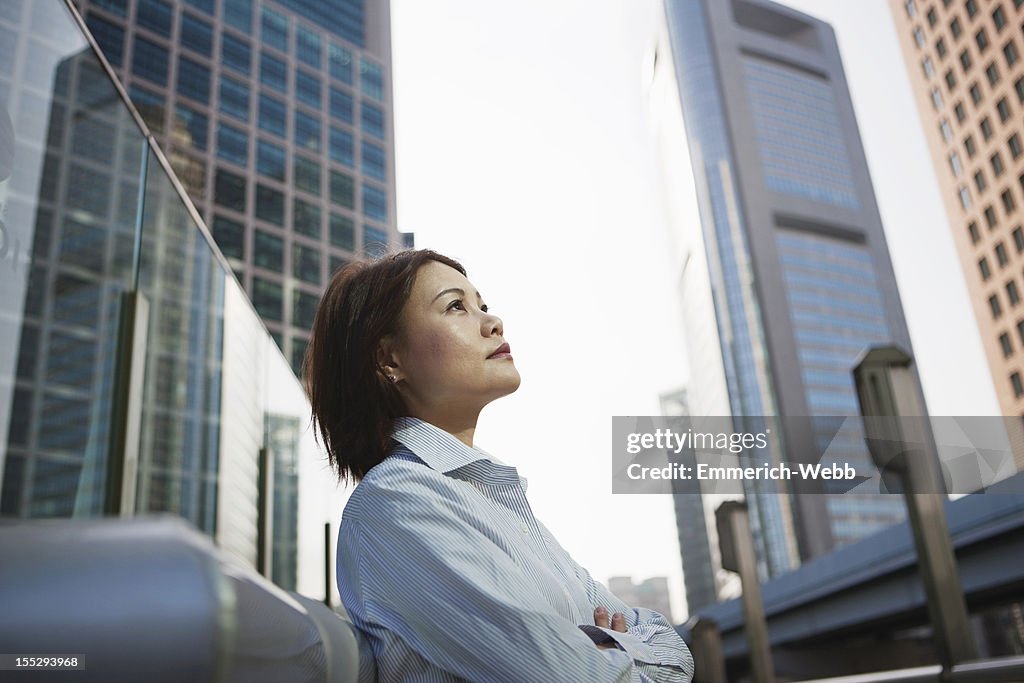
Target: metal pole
[126, 408]
[265, 517]
[327, 564]
[737, 546]
[900, 441]
[708, 656]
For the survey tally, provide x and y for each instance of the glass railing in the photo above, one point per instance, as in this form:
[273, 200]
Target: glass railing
[135, 375]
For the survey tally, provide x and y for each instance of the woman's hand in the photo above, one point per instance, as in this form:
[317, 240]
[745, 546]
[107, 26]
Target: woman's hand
[618, 623]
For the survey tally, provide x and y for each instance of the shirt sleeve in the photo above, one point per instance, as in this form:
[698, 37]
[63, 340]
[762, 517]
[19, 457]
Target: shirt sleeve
[427, 572]
[649, 639]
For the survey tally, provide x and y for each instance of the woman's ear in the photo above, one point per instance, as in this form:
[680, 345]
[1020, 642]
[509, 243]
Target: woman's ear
[387, 360]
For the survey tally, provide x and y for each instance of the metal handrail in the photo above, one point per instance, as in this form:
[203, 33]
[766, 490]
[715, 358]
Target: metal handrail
[920, 674]
[994, 670]
[1008, 669]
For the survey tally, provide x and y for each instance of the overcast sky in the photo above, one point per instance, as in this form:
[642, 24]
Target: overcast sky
[523, 151]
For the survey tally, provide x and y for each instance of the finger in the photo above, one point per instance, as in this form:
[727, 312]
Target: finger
[601, 617]
[619, 622]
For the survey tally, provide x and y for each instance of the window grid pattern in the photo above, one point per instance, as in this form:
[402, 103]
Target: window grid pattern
[244, 84]
[974, 49]
[798, 134]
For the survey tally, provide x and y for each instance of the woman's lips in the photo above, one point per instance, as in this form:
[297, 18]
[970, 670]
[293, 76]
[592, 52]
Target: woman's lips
[503, 351]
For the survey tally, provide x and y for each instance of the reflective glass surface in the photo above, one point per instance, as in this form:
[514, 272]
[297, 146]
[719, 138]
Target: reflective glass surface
[90, 212]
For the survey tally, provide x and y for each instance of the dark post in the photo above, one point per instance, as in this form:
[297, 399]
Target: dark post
[737, 546]
[126, 408]
[708, 656]
[265, 518]
[900, 442]
[327, 564]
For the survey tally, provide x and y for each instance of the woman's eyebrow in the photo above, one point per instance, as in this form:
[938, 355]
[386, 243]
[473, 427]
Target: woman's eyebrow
[460, 292]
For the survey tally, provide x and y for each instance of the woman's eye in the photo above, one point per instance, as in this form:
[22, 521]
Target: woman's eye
[456, 305]
[483, 307]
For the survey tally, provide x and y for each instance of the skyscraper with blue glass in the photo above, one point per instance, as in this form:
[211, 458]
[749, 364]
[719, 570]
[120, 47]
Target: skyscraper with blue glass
[786, 279]
[276, 115]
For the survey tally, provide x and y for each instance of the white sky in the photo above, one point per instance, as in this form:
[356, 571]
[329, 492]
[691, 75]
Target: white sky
[523, 151]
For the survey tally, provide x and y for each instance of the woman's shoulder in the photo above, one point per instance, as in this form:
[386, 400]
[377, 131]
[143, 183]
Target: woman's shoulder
[395, 484]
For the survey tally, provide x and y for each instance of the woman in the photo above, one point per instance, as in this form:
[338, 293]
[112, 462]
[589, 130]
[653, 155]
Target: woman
[441, 563]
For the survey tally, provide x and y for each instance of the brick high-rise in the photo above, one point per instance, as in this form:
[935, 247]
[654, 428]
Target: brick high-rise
[966, 63]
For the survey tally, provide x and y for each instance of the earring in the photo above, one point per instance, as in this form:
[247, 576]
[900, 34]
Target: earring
[392, 379]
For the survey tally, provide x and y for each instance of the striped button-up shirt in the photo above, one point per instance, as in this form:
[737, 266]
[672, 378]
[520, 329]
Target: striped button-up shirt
[444, 568]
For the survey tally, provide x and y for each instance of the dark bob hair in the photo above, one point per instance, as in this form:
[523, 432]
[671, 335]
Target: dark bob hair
[353, 402]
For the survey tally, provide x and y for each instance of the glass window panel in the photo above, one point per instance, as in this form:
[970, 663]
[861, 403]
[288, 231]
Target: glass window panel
[272, 115]
[307, 47]
[149, 61]
[304, 310]
[232, 144]
[194, 124]
[343, 232]
[342, 147]
[307, 88]
[109, 36]
[298, 357]
[270, 206]
[118, 7]
[275, 29]
[238, 14]
[150, 106]
[270, 160]
[375, 241]
[273, 72]
[230, 236]
[374, 161]
[306, 218]
[373, 121]
[196, 34]
[268, 251]
[267, 298]
[341, 105]
[307, 132]
[234, 98]
[306, 264]
[193, 80]
[154, 15]
[229, 190]
[204, 5]
[375, 203]
[371, 79]
[343, 190]
[235, 53]
[340, 63]
[307, 175]
[999, 18]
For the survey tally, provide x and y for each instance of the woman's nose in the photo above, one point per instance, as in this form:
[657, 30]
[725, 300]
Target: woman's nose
[491, 325]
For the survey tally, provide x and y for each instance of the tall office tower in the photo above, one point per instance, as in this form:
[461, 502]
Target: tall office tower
[691, 520]
[965, 64]
[785, 279]
[276, 115]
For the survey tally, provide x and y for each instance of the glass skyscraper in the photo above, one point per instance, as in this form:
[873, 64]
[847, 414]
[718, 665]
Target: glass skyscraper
[786, 279]
[277, 118]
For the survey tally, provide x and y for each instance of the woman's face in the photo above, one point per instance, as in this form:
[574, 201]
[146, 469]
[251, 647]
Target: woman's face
[450, 355]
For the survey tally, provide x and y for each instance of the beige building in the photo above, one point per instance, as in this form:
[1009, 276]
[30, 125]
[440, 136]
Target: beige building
[966, 62]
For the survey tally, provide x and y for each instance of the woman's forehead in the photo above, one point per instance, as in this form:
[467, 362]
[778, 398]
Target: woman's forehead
[435, 277]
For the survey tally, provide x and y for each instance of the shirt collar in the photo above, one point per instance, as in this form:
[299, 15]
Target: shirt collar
[443, 452]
